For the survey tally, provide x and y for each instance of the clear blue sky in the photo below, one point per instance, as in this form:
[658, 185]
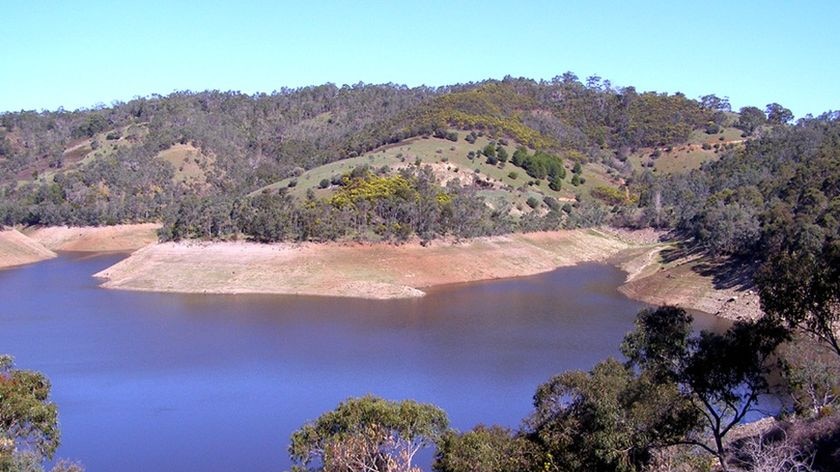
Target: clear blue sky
[80, 53]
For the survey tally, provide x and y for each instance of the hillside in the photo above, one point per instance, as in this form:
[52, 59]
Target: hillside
[377, 162]
[143, 160]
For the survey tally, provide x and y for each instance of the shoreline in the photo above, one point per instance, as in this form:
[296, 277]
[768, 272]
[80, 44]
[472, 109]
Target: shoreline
[379, 271]
[374, 271]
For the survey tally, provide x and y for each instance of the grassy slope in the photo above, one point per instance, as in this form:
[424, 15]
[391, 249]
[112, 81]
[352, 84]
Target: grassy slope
[686, 157]
[449, 160]
[191, 166]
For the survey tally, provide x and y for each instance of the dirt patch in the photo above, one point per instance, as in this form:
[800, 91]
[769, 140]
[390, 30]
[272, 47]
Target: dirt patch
[121, 238]
[17, 249]
[352, 270]
[691, 281]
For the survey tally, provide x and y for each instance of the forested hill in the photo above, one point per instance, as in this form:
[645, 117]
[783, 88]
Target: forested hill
[544, 154]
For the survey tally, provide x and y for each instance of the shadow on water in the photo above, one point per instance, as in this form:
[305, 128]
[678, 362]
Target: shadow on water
[148, 381]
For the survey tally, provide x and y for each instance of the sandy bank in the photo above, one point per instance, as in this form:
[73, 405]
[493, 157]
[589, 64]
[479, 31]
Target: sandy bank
[689, 282]
[17, 249]
[361, 270]
[121, 238]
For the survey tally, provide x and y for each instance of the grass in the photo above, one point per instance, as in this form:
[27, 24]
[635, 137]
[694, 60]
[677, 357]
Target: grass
[189, 163]
[449, 160]
[687, 157]
[728, 135]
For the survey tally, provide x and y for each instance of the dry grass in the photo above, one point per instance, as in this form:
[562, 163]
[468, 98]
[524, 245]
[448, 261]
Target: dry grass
[190, 164]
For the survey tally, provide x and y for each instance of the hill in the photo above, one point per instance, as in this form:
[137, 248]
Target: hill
[571, 153]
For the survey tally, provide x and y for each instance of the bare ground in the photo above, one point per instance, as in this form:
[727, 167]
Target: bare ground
[352, 270]
[17, 249]
[664, 274]
[118, 238]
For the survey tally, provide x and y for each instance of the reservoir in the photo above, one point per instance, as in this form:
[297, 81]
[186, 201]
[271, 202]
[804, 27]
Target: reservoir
[170, 382]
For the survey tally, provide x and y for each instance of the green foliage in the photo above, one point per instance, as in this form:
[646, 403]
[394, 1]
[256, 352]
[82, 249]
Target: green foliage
[811, 376]
[533, 202]
[750, 119]
[608, 419]
[369, 433]
[659, 119]
[28, 419]
[762, 199]
[721, 375]
[799, 284]
[540, 165]
[777, 114]
[486, 449]
[611, 195]
[489, 150]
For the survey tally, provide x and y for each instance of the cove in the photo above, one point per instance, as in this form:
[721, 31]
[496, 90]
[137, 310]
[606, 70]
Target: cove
[171, 382]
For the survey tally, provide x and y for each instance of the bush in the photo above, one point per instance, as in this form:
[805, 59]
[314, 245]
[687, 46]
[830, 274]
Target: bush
[324, 183]
[712, 128]
[513, 175]
[489, 150]
[532, 202]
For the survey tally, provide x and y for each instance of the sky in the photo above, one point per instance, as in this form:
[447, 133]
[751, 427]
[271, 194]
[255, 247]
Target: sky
[80, 54]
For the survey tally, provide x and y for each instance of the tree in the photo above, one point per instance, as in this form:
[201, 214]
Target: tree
[489, 150]
[608, 419]
[721, 375]
[811, 376]
[751, 118]
[800, 284]
[369, 434]
[486, 449]
[777, 114]
[715, 103]
[28, 419]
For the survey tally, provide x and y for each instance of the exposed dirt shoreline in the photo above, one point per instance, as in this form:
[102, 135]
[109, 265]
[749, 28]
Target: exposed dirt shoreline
[17, 249]
[384, 271]
[378, 271]
[117, 238]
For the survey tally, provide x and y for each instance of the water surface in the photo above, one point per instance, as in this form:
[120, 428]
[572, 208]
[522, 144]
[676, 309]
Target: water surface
[170, 382]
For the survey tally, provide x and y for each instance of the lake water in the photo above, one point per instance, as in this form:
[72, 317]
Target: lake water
[171, 382]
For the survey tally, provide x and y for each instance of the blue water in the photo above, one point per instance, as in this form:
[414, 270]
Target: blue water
[170, 382]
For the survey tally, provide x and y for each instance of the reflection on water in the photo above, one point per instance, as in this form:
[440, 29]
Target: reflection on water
[218, 382]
